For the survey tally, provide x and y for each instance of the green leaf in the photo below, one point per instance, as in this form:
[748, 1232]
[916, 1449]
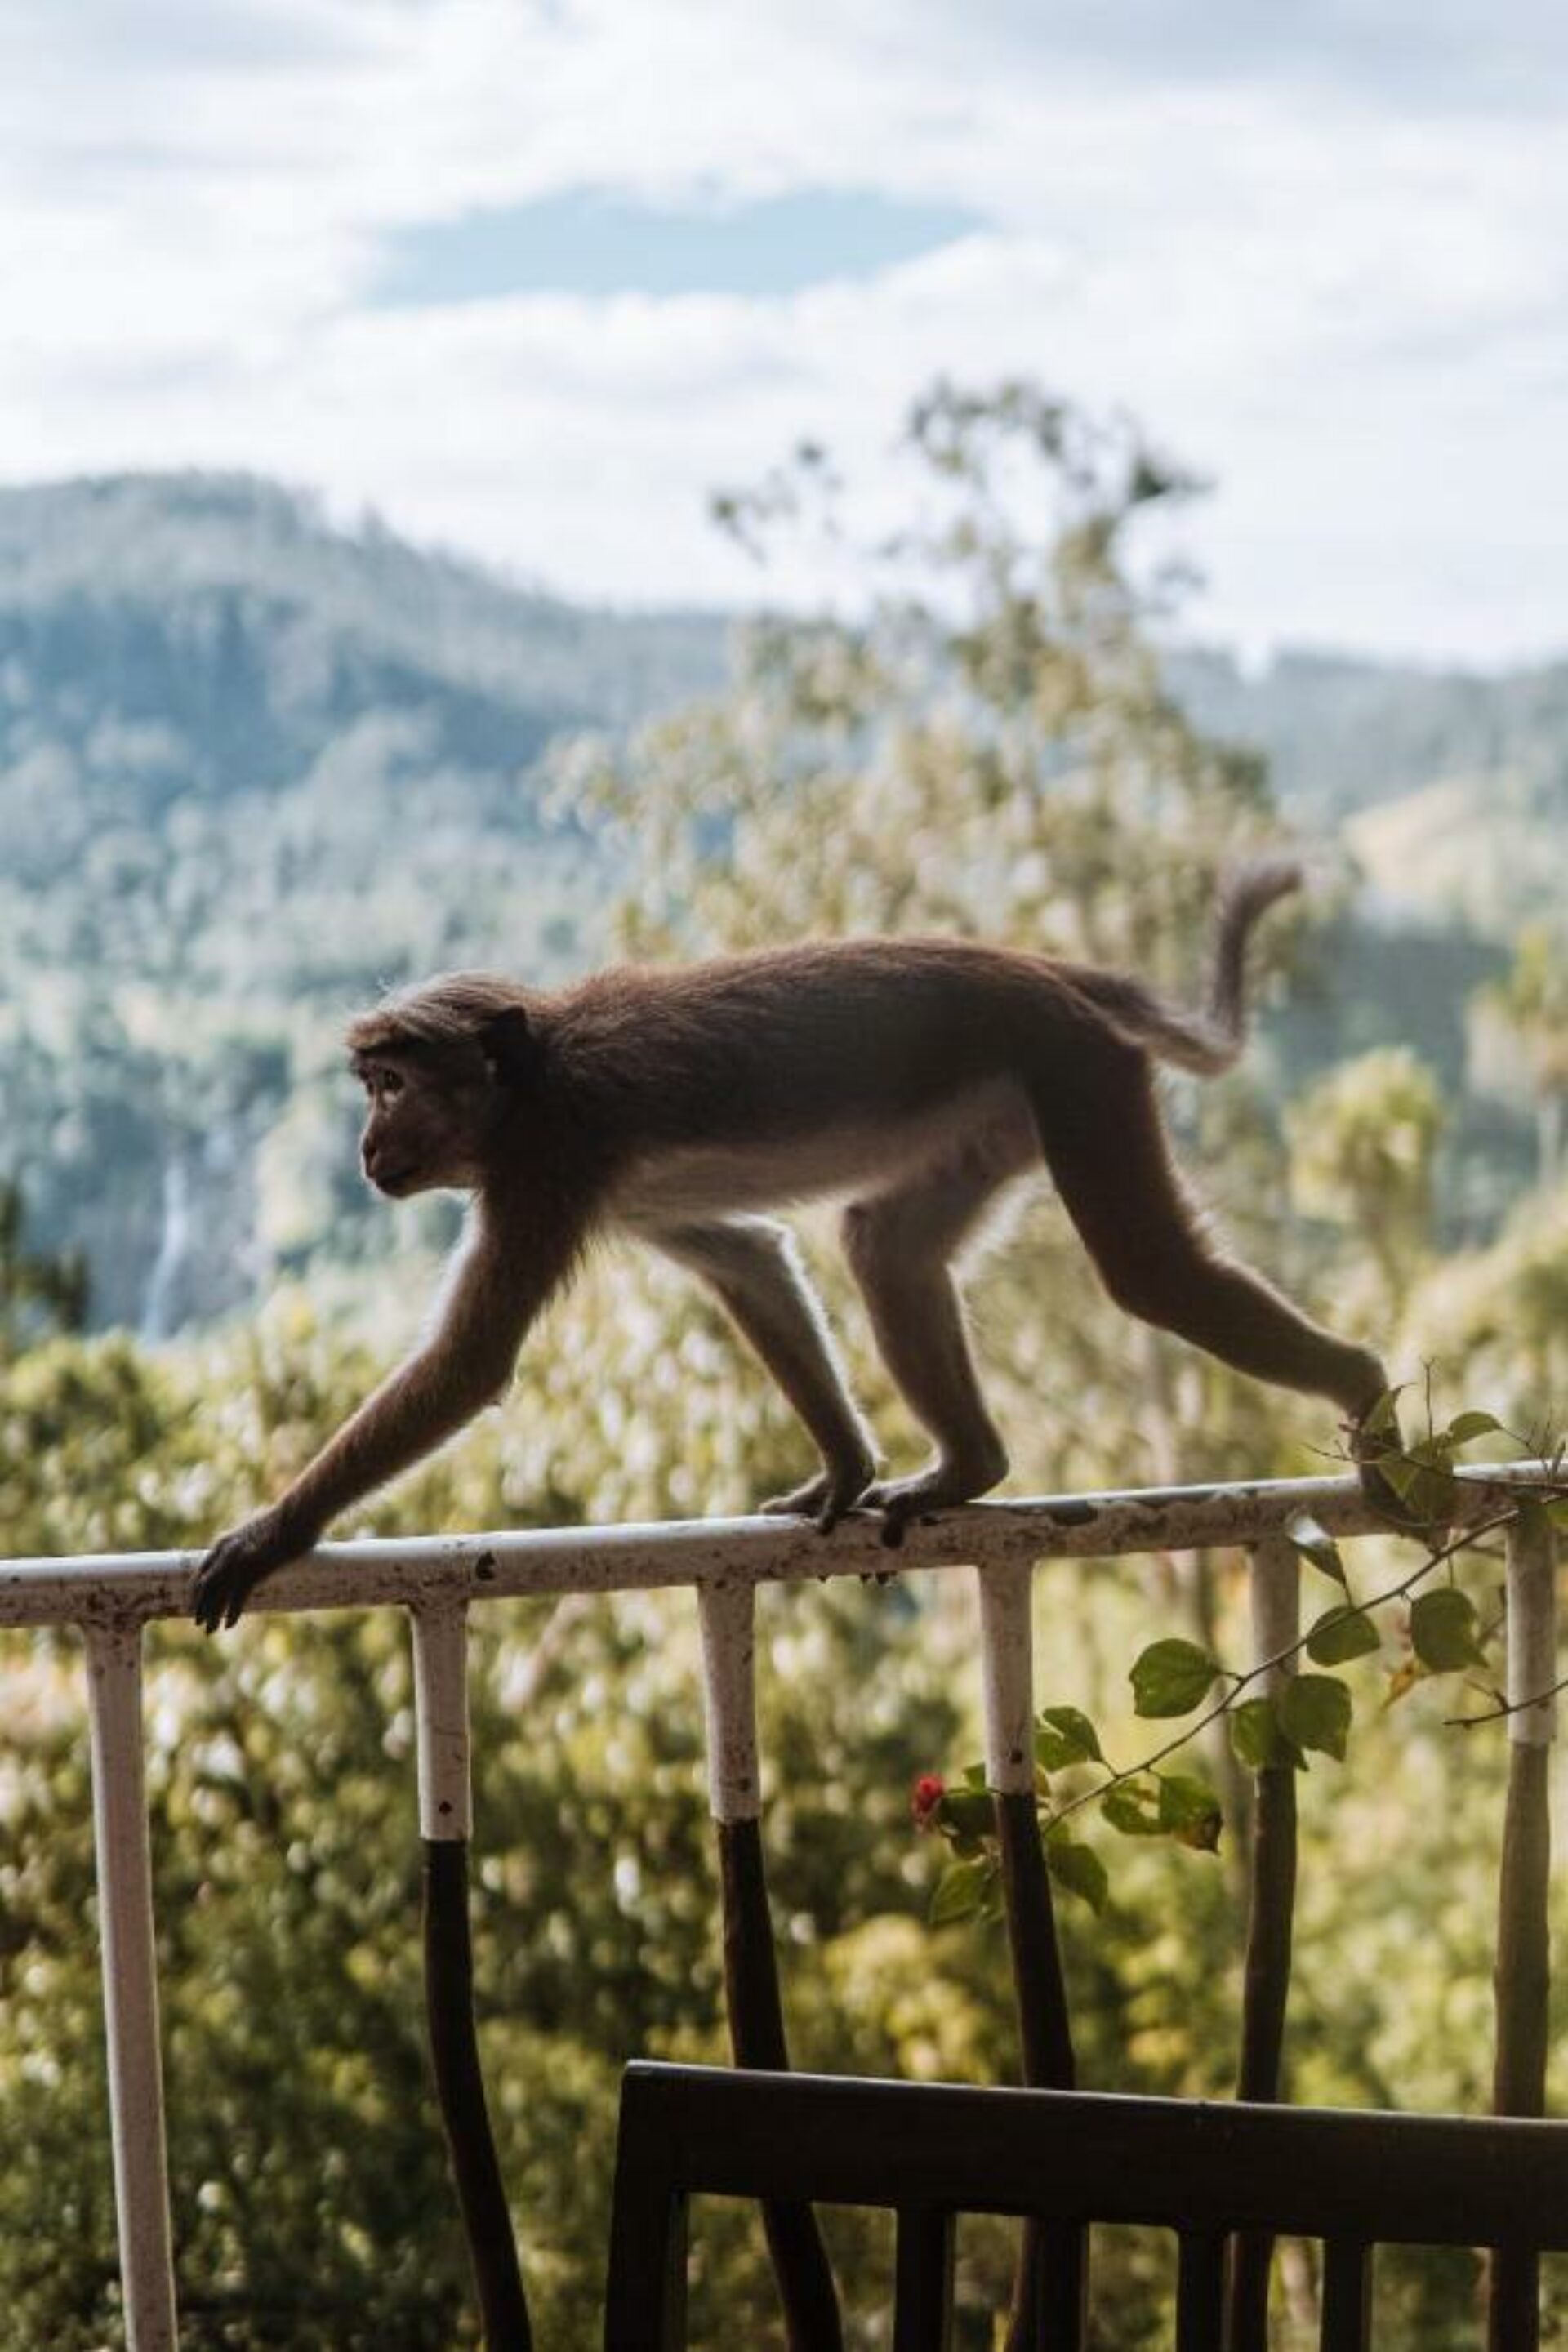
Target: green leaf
[1314, 1543]
[1079, 1868]
[966, 1812]
[1190, 1812]
[1341, 1635]
[1557, 1511]
[959, 1893]
[1443, 1630]
[1256, 1738]
[1171, 1677]
[1423, 1478]
[1064, 1736]
[1381, 1418]
[1315, 1712]
[1133, 1807]
[1466, 1427]
[1399, 1471]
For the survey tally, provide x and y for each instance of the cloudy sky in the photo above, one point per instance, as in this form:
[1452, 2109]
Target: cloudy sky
[529, 277]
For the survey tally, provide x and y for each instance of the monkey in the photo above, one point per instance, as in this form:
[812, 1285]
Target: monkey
[914, 1080]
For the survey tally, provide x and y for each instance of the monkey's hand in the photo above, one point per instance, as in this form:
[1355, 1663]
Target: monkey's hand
[237, 1562]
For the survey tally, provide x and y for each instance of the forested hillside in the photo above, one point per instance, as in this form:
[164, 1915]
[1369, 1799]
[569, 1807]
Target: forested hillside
[253, 765]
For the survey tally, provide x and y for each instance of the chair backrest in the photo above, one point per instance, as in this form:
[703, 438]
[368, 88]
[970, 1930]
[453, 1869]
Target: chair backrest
[932, 2151]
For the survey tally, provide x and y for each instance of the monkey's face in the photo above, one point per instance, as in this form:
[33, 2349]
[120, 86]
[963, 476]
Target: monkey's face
[423, 1132]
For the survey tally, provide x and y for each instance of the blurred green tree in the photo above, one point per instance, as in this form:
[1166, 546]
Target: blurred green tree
[1364, 1142]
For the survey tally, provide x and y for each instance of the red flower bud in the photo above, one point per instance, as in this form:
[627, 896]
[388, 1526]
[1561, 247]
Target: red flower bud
[927, 1794]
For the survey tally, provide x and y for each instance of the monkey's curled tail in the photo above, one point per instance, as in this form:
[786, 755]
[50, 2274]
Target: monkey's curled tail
[1206, 1041]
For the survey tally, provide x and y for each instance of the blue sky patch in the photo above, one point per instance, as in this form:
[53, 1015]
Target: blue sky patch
[591, 242]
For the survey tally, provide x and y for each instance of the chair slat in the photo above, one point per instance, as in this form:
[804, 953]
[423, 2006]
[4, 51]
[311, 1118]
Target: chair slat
[1513, 2301]
[1347, 2297]
[1200, 2292]
[922, 2308]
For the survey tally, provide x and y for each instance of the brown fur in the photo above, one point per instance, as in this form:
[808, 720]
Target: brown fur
[918, 1079]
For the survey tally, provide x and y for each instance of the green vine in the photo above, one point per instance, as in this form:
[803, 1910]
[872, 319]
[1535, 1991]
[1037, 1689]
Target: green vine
[1305, 1713]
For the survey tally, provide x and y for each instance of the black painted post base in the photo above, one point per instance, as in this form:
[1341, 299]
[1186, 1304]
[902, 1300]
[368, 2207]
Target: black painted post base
[1266, 1986]
[1050, 2286]
[1523, 1988]
[459, 2087]
[757, 2038]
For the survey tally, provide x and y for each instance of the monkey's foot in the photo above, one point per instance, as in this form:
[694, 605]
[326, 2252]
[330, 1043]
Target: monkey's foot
[941, 1487]
[828, 1497]
[1375, 1442]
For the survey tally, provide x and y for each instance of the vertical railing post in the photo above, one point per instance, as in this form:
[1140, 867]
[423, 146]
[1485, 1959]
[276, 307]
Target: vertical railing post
[727, 1613]
[446, 1826]
[1276, 1590]
[1522, 1974]
[1049, 2290]
[130, 1984]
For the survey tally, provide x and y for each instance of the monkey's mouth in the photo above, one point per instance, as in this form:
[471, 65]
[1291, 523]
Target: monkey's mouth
[393, 1181]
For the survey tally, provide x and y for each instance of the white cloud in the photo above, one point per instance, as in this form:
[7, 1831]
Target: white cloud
[1337, 285]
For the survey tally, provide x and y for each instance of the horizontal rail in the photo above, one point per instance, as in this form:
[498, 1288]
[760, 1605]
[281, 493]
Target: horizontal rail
[421, 1571]
[1312, 2172]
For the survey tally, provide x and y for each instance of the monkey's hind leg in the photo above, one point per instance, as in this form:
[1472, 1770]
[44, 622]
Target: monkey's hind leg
[899, 1245]
[753, 1267]
[1107, 1152]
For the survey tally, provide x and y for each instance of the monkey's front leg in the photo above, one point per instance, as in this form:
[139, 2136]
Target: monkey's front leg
[898, 1246]
[754, 1266]
[425, 1401]
[464, 1366]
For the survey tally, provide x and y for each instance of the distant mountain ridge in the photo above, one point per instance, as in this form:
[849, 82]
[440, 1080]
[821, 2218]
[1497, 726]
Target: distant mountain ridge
[230, 611]
[116, 536]
[1341, 733]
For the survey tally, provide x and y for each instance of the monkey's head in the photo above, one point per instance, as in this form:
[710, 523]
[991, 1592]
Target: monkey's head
[443, 1065]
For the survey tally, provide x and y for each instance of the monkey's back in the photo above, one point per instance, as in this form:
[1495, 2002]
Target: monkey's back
[760, 1052]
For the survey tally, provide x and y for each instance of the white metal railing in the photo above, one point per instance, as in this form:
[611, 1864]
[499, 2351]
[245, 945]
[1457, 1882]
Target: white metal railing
[113, 1596]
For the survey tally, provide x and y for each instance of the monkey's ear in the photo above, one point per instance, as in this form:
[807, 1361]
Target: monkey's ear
[508, 1045]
